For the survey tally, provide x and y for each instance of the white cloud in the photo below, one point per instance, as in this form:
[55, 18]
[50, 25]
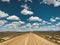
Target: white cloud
[54, 2]
[25, 6]
[28, 25]
[45, 22]
[52, 19]
[5, 0]
[35, 25]
[26, 12]
[49, 1]
[58, 24]
[28, 0]
[2, 22]
[3, 14]
[18, 23]
[49, 23]
[13, 17]
[21, 22]
[34, 18]
[57, 3]
[57, 18]
[14, 24]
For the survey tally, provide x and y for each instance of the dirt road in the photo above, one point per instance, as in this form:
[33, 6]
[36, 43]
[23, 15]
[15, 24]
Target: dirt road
[28, 39]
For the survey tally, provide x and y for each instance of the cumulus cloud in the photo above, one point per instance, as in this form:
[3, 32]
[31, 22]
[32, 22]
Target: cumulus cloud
[58, 24]
[49, 23]
[13, 17]
[35, 25]
[11, 27]
[26, 12]
[21, 22]
[57, 3]
[17, 26]
[5, 0]
[45, 22]
[34, 18]
[54, 2]
[3, 14]
[28, 0]
[2, 22]
[14, 24]
[25, 6]
[28, 25]
[52, 19]
[57, 18]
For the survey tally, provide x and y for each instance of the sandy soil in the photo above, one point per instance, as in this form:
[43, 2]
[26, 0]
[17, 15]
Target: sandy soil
[28, 39]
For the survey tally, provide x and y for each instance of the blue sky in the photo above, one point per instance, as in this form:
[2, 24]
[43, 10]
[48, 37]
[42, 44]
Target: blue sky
[31, 12]
[41, 10]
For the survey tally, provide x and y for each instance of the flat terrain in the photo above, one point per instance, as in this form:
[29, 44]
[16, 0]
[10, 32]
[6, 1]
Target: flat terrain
[4, 36]
[51, 36]
[29, 38]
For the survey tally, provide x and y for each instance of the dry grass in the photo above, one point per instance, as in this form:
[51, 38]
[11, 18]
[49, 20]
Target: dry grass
[28, 39]
[4, 36]
[51, 36]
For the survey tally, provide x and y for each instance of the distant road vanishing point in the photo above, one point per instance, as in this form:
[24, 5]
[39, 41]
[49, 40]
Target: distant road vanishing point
[28, 39]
